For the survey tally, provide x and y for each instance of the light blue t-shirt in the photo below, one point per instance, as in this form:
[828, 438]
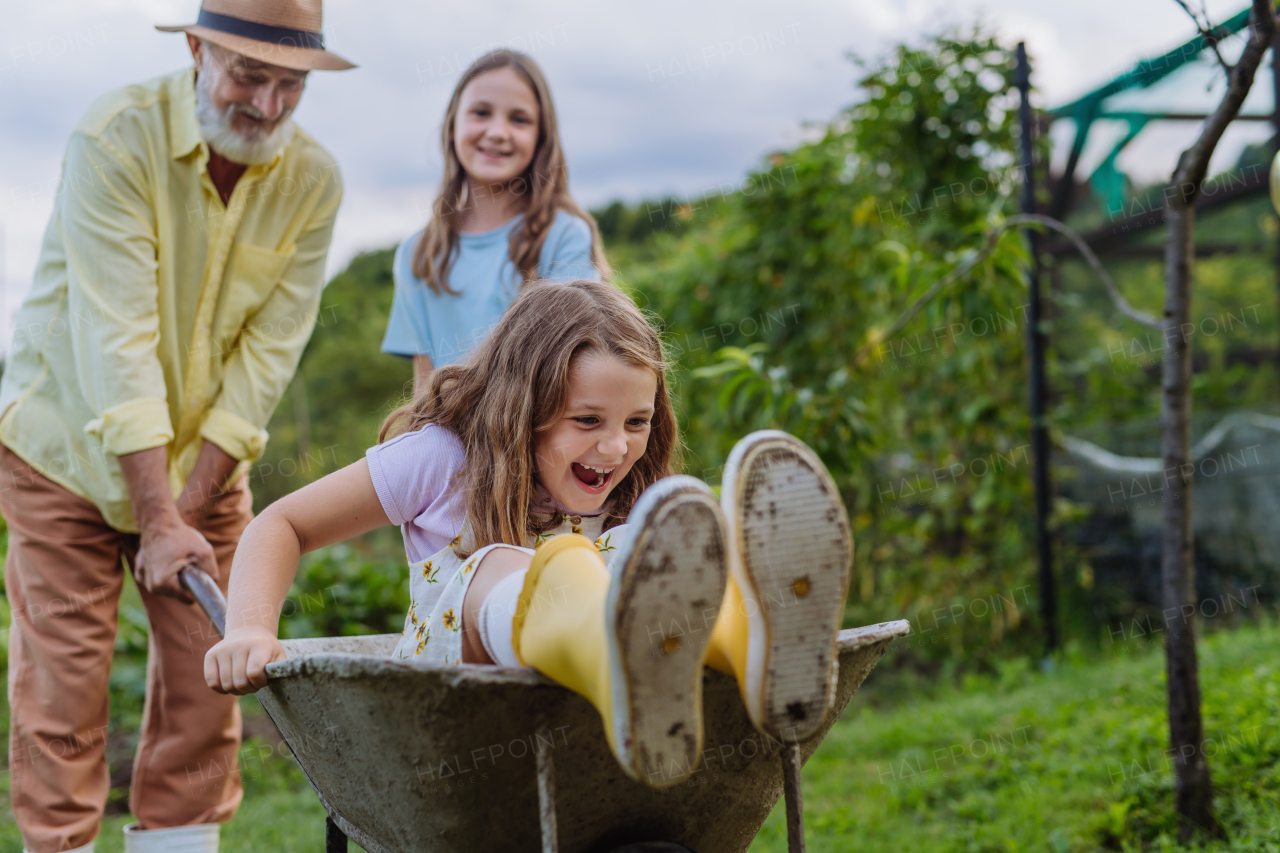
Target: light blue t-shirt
[447, 327]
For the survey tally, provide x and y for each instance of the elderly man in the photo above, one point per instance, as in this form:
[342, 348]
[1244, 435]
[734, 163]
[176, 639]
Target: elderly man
[178, 284]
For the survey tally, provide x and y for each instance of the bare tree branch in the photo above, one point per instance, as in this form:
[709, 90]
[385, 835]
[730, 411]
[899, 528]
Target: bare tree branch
[1193, 784]
[1194, 162]
[1207, 31]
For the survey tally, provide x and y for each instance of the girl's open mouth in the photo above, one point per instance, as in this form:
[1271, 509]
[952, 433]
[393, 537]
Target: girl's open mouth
[594, 480]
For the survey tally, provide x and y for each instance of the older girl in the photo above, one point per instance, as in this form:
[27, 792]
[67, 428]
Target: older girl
[503, 216]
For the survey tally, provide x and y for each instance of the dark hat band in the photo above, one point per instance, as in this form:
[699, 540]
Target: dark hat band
[260, 32]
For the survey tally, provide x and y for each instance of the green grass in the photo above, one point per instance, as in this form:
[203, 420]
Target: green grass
[1067, 761]
[279, 812]
[287, 822]
[1064, 761]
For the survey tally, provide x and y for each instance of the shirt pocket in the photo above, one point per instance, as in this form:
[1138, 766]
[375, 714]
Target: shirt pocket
[252, 276]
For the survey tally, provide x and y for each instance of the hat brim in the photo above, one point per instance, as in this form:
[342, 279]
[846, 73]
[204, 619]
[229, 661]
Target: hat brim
[284, 55]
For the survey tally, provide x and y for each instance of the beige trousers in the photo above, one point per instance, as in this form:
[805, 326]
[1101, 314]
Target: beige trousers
[63, 577]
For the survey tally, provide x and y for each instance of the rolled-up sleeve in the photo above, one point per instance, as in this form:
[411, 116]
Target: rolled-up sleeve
[109, 234]
[263, 363]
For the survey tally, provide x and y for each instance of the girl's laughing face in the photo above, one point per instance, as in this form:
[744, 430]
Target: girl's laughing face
[603, 431]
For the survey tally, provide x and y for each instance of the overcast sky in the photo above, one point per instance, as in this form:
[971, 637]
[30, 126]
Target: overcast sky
[654, 98]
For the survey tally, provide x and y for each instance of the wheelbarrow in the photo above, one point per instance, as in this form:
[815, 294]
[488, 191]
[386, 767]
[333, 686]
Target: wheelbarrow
[410, 757]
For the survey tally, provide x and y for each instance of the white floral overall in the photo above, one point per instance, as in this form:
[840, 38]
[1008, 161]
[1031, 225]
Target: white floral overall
[438, 585]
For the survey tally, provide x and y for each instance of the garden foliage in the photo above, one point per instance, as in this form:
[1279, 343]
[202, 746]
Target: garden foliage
[766, 304]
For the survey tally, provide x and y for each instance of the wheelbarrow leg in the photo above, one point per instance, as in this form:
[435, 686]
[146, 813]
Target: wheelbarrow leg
[335, 840]
[795, 802]
[546, 791]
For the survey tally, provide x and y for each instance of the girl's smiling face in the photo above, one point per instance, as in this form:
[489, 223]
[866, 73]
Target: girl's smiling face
[496, 131]
[603, 431]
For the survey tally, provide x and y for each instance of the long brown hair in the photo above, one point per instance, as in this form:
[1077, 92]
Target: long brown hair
[515, 385]
[544, 186]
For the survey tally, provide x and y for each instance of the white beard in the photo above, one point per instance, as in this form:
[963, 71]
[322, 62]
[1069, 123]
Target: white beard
[250, 150]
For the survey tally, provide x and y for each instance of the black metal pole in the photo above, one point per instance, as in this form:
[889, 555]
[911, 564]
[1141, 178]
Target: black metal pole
[1036, 346]
[792, 792]
[335, 840]
[1275, 148]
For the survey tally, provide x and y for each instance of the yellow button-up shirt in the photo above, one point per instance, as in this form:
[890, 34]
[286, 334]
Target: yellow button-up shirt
[160, 316]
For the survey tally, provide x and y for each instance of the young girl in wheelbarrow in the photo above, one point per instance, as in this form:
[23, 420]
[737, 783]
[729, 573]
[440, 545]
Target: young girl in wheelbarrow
[544, 528]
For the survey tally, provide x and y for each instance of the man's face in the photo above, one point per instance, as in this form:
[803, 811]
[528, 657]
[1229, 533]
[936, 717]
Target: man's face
[256, 97]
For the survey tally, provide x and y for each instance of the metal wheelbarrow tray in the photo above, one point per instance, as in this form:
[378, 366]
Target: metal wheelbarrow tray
[410, 757]
[415, 758]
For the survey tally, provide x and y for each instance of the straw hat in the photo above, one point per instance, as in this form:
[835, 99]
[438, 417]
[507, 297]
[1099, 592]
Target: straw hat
[281, 32]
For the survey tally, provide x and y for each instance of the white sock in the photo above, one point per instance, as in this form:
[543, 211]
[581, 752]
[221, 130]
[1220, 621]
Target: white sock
[197, 838]
[496, 614]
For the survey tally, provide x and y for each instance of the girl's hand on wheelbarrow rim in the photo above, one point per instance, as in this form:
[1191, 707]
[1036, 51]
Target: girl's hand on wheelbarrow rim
[238, 664]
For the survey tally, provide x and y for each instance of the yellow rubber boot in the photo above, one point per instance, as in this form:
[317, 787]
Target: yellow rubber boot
[606, 632]
[559, 624]
[728, 650]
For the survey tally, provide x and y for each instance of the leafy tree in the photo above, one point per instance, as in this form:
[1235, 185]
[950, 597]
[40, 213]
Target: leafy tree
[818, 254]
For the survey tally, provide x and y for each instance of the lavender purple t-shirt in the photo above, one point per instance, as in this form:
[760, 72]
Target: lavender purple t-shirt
[415, 476]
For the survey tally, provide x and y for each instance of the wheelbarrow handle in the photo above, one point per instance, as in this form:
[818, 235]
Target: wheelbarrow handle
[204, 590]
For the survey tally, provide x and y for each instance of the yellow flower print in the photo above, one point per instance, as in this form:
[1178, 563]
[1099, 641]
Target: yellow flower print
[450, 621]
[542, 537]
[602, 544]
[429, 571]
[577, 530]
[457, 540]
[421, 628]
[413, 614]
[422, 644]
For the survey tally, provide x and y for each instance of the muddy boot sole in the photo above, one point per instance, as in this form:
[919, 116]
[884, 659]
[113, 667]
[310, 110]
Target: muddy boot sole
[792, 555]
[670, 577]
